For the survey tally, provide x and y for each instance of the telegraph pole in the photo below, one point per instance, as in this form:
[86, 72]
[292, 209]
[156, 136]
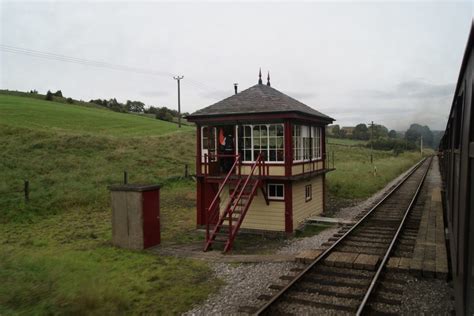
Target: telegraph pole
[421, 145]
[178, 79]
[371, 142]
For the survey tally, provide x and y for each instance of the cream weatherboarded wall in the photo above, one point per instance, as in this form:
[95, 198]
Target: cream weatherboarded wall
[260, 215]
[303, 209]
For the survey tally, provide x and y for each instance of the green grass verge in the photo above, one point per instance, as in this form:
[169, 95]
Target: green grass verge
[65, 264]
[356, 178]
[312, 230]
[55, 254]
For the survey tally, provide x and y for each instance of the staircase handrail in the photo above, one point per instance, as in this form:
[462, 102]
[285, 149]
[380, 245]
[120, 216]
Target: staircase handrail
[258, 161]
[221, 187]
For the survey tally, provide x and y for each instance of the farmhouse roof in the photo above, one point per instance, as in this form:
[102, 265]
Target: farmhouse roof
[258, 99]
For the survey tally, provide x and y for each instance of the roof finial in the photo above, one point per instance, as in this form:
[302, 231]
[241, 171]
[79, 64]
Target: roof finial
[268, 79]
[260, 76]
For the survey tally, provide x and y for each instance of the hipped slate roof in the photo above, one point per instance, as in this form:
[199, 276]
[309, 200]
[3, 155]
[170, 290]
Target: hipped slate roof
[255, 100]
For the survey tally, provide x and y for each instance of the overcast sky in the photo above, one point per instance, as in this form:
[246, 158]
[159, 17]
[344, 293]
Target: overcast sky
[391, 62]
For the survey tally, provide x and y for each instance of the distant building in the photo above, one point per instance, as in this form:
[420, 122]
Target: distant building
[348, 130]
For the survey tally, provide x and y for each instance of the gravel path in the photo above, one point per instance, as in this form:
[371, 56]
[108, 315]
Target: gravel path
[244, 283]
[295, 246]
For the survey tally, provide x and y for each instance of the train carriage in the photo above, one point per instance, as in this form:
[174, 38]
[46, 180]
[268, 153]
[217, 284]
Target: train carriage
[456, 153]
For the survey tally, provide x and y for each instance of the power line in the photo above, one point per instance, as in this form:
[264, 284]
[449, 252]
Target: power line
[95, 63]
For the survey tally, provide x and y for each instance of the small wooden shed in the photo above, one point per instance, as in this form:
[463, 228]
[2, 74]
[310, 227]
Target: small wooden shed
[260, 163]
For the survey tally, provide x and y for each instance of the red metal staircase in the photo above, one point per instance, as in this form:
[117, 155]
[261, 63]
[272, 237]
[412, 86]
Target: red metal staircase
[222, 226]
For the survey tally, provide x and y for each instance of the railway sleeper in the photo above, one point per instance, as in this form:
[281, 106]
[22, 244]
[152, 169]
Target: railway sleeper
[335, 282]
[336, 292]
[342, 305]
[343, 272]
[364, 244]
[384, 241]
[378, 309]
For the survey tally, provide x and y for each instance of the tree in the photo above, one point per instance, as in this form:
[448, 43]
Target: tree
[135, 106]
[49, 96]
[379, 131]
[392, 134]
[416, 131]
[58, 94]
[70, 100]
[164, 114]
[342, 133]
[336, 130]
[361, 132]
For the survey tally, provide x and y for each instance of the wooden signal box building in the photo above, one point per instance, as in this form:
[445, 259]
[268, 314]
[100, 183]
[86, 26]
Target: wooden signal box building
[260, 163]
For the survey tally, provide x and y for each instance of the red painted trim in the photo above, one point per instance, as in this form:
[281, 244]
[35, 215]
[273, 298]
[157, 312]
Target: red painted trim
[198, 150]
[259, 117]
[288, 147]
[151, 218]
[289, 207]
[199, 202]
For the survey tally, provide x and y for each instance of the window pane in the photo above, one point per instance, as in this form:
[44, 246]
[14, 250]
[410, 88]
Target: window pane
[279, 130]
[271, 189]
[279, 191]
[273, 131]
[280, 155]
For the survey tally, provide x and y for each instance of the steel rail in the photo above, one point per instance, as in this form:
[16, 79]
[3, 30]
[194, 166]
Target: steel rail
[325, 253]
[392, 244]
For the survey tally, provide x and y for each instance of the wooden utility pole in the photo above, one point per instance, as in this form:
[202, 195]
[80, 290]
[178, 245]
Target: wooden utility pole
[421, 145]
[372, 142]
[178, 79]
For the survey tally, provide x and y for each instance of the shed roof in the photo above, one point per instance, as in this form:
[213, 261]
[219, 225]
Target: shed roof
[255, 100]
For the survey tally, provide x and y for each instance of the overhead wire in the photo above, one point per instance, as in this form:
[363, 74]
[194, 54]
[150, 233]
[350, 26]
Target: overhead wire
[100, 64]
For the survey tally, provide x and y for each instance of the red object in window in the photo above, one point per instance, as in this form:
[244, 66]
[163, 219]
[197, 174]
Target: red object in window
[221, 137]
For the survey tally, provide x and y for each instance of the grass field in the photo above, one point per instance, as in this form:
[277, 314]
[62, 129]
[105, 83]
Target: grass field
[55, 254]
[355, 177]
[40, 115]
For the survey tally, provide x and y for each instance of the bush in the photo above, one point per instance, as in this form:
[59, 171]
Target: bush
[397, 145]
[70, 100]
[49, 96]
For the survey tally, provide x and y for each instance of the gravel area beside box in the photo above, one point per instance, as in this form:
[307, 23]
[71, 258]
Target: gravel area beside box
[244, 283]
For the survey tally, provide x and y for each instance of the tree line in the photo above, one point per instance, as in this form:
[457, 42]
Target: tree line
[381, 138]
[161, 113]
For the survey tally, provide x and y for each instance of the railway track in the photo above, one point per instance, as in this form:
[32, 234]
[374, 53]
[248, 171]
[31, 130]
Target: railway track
[325, 287]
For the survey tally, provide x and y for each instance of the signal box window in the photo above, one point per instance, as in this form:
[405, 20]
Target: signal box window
[276, 191]
[308, 192]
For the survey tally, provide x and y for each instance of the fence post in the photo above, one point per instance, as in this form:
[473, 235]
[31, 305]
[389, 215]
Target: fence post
[333, 159]
[186, 171]
[125, 177]
[27, 190]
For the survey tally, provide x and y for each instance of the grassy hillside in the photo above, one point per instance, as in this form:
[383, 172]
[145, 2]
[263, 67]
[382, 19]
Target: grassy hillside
[56, 255]
[40, 115]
